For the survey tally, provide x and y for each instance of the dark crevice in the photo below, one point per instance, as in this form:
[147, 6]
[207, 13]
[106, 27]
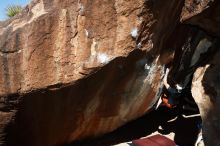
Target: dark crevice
[9, 52]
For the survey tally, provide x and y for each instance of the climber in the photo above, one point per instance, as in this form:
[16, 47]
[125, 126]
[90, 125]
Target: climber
[170, 95]
[179, 108]
[177, 96]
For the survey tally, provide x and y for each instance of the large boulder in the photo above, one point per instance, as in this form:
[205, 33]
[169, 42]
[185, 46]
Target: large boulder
[205, 87]
[202, 13]
[72, 69]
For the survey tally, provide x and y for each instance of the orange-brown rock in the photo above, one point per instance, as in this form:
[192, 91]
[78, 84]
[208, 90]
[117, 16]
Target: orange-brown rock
[78, 69]
[202, 13]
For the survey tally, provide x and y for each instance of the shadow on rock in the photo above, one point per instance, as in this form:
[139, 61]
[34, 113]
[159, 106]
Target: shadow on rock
[185, 129]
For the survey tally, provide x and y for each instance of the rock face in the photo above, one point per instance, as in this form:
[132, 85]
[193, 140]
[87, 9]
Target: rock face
[205, 15]
[205, 86]
[71, 69]
[77, 69]
[206, 90]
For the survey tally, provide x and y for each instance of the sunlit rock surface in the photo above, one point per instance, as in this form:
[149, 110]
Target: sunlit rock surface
[205, 89]
[75, 69]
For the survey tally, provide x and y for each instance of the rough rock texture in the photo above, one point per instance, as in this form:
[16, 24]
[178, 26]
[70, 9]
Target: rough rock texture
[77, 69]
[197, 53]
[205, 86]
[71, 69]
[206, 90]
[206, 14]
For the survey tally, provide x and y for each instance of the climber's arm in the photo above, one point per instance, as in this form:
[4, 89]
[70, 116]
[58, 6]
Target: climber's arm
[165, 79]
